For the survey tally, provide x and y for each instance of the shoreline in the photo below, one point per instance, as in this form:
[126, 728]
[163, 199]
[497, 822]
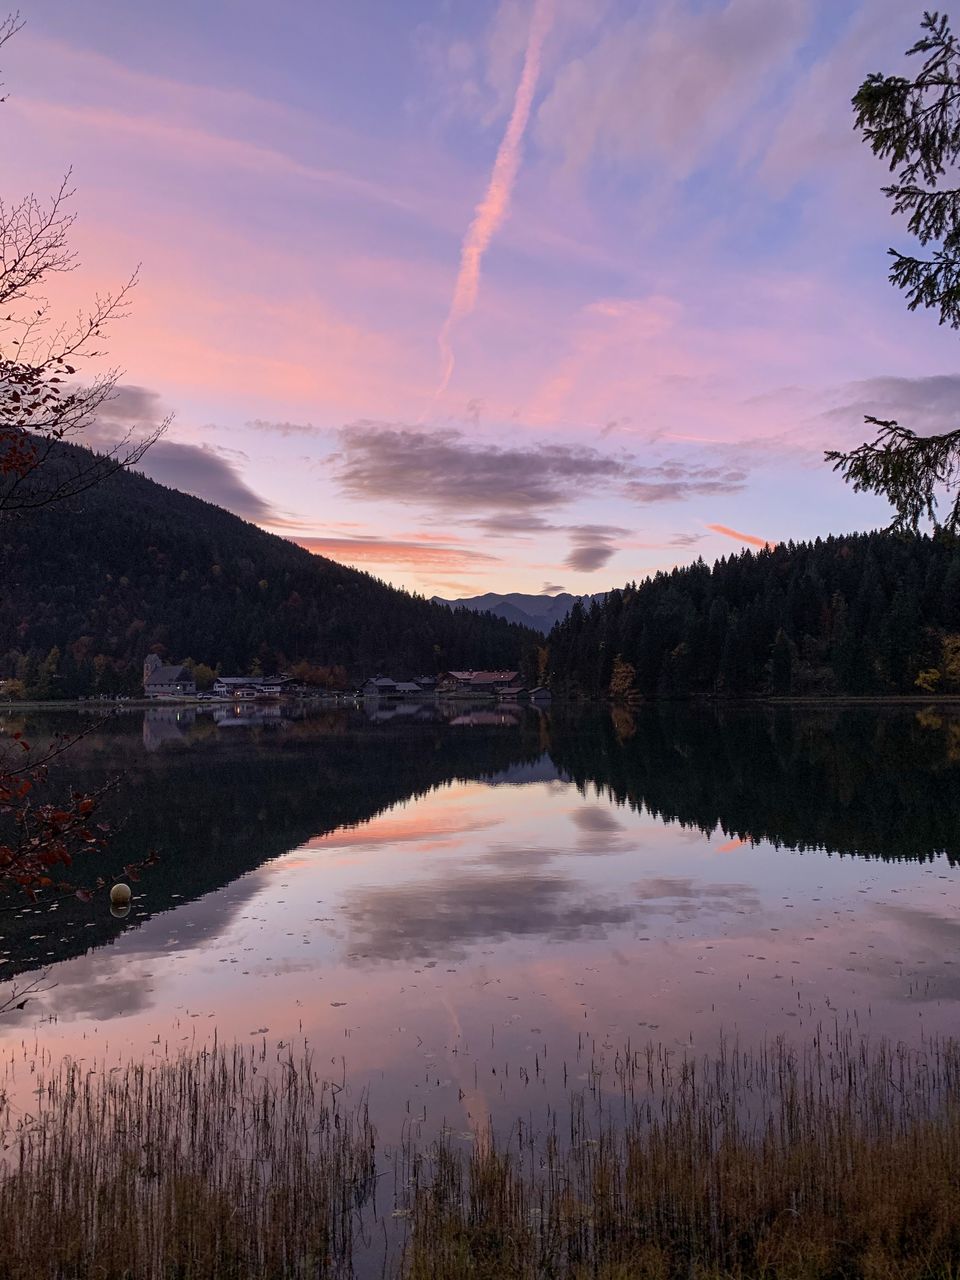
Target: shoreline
[342, 700]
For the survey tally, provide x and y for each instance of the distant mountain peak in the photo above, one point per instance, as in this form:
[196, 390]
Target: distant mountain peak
[541, 612]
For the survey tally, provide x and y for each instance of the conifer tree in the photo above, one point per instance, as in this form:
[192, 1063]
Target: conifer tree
[914, 125]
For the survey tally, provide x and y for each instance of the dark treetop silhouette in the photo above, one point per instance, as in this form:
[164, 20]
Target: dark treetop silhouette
[915, 126]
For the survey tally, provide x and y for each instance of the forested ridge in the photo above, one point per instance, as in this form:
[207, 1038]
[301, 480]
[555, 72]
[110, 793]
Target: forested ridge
[874, 613]
[91, 586]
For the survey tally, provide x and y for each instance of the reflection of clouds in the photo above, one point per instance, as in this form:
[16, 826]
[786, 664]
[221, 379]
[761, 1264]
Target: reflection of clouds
[87, 987]
[512, 858]
[410, 827]
[927, 937]
[682, 899]
[600, 831]
[592, 818]
[444, 917]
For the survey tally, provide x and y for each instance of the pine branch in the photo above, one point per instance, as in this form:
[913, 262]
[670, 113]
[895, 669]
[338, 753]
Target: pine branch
[907, 469]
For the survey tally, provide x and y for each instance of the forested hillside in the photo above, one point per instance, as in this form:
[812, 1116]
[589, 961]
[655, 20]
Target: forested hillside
[867, 614]
[90, 587]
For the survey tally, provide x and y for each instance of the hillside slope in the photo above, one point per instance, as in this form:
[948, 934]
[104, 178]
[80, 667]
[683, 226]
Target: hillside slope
[870, 614]
[90, 588]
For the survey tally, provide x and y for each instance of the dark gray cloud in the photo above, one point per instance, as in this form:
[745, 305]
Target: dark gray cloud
[926, 405]
[512, 522]
[592, 545]
[207, 474]
[551, 589]
[199, 470]
[674, 481]
[511, 485]
[444, 918]
[383, 460]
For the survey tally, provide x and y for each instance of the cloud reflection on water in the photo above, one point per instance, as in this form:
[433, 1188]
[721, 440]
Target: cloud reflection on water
[443, 918]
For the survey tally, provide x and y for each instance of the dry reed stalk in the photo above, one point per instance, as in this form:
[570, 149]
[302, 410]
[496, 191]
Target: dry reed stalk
[208, 1165]
[837, 1161]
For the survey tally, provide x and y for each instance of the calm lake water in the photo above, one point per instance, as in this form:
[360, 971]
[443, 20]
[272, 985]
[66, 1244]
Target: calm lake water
[459, 911]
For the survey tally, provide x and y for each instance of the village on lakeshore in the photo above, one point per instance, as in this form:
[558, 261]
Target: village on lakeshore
[177, 682]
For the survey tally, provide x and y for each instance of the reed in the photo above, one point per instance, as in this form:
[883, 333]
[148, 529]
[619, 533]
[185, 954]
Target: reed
[204, 1166]
[839, 1163]
[839, 1160]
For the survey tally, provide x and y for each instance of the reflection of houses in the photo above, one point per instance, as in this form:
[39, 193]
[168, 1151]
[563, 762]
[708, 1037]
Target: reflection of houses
[473, 683]
[162, 681]
[380, 712]
[166, 724]
[247, 715]
[504, 716]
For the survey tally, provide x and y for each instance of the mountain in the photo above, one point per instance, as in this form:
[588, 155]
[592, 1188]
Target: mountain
[871, 614]
[540, 613]
[91, 586]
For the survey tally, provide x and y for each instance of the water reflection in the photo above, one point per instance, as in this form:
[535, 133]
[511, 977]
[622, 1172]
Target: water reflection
[492, 891]
[876, 782]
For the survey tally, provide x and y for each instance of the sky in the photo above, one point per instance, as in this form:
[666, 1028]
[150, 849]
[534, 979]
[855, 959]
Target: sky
[518, 296]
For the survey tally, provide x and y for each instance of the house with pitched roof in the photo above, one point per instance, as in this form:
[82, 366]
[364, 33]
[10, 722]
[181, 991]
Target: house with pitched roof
[460, 683]
[161, 680]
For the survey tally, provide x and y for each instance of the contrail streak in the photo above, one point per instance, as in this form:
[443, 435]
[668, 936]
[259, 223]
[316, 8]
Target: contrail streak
[493, 208]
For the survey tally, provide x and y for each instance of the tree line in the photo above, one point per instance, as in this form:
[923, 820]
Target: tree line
[870, 614]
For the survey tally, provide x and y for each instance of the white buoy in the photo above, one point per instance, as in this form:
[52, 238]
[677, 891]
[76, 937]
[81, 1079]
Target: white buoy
[120, 895]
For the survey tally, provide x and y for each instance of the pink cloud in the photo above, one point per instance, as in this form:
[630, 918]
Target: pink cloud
[749, 538]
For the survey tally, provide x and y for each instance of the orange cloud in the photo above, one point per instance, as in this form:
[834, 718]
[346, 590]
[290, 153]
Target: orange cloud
[493, 208]
[417, 555]
[749, 538]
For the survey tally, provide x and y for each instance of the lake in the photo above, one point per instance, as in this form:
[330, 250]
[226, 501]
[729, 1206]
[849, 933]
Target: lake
[462, 911]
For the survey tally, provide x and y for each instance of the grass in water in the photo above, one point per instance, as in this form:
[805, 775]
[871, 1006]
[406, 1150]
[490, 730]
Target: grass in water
[839, 1161]
[206, 1166]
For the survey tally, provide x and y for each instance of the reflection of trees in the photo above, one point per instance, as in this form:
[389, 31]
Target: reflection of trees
[850, 780]
[217, 804]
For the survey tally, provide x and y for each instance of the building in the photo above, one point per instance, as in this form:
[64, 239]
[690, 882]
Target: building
[163, 681]
[513, 693]
[540, 695]
[407, 689]
[247, 687]
[476, 682]
[379, 687]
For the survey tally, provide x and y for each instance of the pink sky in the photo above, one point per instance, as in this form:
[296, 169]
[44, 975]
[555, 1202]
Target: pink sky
[636, 246]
